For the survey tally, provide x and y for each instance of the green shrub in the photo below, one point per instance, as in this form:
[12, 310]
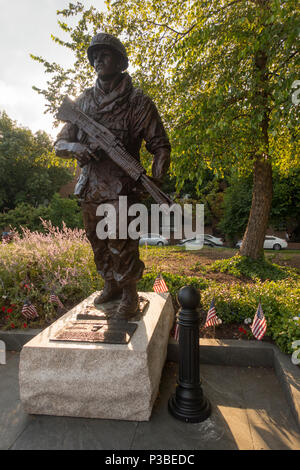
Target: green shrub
[24, 215]
[174, 282]
[59, 211]
[280, 303]
[242, 266]
[65, 210]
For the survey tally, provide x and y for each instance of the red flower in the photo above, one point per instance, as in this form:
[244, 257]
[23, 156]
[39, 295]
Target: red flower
[24, 325]
[27, 287]
[12, 325]
[9, 310]
[7, 317]
[3, 309]
[242, 330]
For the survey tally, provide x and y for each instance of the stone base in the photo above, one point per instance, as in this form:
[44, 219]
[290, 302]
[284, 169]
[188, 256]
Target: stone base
[108, 381]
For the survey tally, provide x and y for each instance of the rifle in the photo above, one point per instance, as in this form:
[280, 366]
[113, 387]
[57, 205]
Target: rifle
[112, 146]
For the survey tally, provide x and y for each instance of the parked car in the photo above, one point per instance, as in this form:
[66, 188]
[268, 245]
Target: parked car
[191, 244]
[194, 244]
[209, 240]
[270, 243]
[212, 241]
[153, 239]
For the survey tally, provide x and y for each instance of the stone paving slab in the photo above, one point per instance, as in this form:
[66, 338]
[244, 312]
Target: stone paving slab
[219, 352]
[254, 406]
[254, 354]
[13, 419]
[249, 411]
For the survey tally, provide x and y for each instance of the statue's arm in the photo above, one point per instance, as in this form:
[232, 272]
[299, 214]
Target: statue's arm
[67, 146]
[155, 136]
[161, 163]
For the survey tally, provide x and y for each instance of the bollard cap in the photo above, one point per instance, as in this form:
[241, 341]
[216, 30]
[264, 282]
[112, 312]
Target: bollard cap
[189, 298]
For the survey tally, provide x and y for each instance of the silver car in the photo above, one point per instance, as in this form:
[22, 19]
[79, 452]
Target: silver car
[153, 239]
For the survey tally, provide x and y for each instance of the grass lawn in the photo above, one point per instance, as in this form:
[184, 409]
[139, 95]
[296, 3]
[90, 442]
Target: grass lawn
[177, 260]
[208, 265]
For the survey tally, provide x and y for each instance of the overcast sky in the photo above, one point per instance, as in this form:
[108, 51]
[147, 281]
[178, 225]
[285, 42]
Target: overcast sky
[25, 28]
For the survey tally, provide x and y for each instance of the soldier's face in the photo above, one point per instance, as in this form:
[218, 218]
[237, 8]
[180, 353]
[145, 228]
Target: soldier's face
[106, 63]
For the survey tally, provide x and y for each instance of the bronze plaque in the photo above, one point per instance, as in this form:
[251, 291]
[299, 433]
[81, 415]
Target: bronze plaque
[104, 331]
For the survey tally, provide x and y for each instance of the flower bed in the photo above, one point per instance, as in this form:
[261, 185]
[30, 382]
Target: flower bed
[35, 264]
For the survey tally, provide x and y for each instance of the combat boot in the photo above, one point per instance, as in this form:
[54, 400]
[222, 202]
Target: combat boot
[111, 291]
[129, 305]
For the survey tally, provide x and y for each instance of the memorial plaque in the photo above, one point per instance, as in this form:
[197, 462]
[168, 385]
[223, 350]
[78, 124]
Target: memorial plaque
[104, 331]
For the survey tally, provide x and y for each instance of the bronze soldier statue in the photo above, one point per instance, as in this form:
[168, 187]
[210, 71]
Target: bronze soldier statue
[132, 117]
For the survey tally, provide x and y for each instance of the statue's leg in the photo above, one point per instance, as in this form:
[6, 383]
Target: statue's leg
[127, 270]
[102, 254]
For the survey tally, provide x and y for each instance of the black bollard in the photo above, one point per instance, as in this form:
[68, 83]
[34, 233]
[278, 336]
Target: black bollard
[188, 403]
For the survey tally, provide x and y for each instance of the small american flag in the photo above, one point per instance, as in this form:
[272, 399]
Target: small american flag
[212, 319]
[29, 310]
[55, 300]
[259, 325]
[159, 285]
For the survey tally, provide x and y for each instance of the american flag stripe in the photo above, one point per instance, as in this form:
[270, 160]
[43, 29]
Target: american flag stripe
[212, 318]
[159, 285]
[176, 332]
[29, 311]
[55, 300]
[259, 325]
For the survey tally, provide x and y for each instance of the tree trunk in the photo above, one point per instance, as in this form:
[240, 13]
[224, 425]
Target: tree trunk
[254, 236]
[253, 241]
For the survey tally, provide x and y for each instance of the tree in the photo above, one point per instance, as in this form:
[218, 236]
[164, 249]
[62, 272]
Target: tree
[60, 211]
[285, 209]
[221, 74]
[29, 170]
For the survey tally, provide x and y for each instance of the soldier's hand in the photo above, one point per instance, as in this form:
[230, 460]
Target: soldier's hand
[81, 152]
[94, 146]
[66, 149]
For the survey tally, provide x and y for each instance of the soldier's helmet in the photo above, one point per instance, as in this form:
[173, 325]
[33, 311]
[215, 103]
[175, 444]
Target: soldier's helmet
[110, 41]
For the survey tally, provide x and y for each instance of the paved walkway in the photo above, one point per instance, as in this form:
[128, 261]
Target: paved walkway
[249, 411]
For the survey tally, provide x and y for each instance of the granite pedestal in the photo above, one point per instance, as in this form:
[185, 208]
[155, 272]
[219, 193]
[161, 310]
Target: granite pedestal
[97, 380]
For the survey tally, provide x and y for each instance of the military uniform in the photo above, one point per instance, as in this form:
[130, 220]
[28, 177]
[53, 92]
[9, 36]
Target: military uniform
[132, 117]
